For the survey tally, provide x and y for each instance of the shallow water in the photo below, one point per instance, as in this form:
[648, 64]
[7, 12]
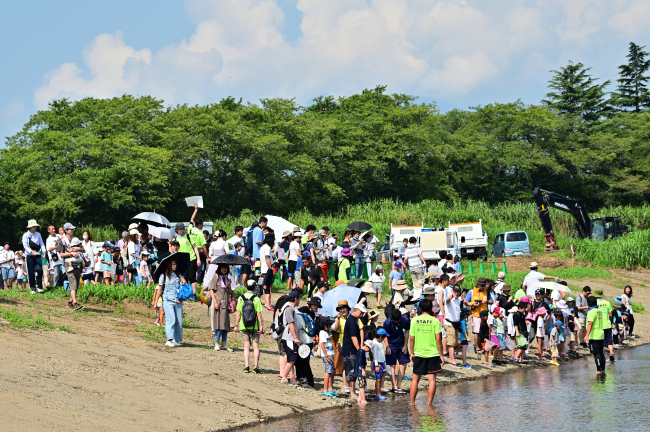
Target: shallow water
[564, 398]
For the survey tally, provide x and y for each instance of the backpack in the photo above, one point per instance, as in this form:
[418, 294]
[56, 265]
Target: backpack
[277, 328]
[310, 327]
[248, 312]
[249, 238]
[390, 307]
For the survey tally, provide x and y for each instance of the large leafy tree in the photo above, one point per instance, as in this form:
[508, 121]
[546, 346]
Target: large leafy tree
[632, 90]
[575, 93]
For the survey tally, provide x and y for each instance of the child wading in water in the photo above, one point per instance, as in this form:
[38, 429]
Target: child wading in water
[556, 337]
[377, 279]
[378, 354]
[327, 349]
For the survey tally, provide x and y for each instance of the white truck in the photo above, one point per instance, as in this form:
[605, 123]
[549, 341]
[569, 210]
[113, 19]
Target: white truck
[473, 241]
[430, 241]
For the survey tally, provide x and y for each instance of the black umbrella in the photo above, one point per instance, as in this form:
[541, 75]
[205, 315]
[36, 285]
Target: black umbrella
[152, 218]
[359, 226]
[230, 259]
[182, 261]
[357, 283]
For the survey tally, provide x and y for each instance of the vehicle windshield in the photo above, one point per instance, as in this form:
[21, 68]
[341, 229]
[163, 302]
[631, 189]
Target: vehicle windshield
[516, 237]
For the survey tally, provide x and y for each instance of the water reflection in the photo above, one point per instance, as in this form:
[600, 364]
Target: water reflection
[570, 394]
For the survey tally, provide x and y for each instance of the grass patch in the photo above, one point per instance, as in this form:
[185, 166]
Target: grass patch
[637, 307]
[19, 320]
[151, 333]
[65, 329]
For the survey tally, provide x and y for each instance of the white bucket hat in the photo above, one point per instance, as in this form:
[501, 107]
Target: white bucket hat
[32, 223]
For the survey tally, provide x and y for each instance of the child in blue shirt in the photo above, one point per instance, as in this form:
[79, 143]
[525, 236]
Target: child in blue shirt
[396, 275]
[107, 263]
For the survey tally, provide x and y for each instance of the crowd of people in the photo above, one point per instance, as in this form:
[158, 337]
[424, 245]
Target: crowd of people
[428, 323]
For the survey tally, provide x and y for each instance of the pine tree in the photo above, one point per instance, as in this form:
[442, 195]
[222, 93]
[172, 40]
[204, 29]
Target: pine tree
[632, 90]
[577, 94]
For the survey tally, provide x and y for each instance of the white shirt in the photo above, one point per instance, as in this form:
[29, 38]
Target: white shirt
[378, 353]
[556, 296]
[326, 340]
[218, 248]
[294, 251]
[265, 251]
[90, 253]
[7, 256]
[49, 243]
[530, 281]
[452, 310]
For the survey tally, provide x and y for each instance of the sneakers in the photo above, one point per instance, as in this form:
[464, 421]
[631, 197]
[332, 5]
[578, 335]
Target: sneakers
[77, 306]
[456, 365]
[69, 306]
[380, 398]
[346, 390]
[489, 365]
[176, 344]
[217, 347]
[170, 344]
[406, 378]
[257, 371]
[467, 366]
[40, 290]
[378, 306]
[247, 369]
[33, 292]
[553, 363]
[227, 348]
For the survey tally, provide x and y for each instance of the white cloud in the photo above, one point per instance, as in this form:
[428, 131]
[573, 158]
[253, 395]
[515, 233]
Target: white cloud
[432, 48]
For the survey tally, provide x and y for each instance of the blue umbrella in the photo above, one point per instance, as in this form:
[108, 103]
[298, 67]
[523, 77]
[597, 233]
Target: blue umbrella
[332, 297]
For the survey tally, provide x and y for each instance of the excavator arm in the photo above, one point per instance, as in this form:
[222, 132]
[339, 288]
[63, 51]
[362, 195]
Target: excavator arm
[546, 199]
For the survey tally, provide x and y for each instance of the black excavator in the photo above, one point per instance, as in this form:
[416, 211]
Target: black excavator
[597, 229]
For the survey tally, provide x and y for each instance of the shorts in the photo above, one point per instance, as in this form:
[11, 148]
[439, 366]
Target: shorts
[159, 303]
[73, 278]
[268, 281]
[8, 273]
[348, 366]
[501, 337]
[378, 287]
[291, 269]
[281, 350]
[361, 381]
[554, 351]
[464, 342]
[87, 277]
[540, 332]
[329, 365]
[249, 335]
[291, 349]
[379, 375]
[582, 322]
[522, 342]
[190, 273]
[608, 337]
[426, 365]
[397, 356]
[452, 336]
[476, 325]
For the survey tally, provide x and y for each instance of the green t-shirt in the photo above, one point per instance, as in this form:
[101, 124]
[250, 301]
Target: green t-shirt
[597, 317]
[424, 329]
[605, 306]
[344, 264]
[258, 309]
[185, 246]
[197, 236]
[519, 294]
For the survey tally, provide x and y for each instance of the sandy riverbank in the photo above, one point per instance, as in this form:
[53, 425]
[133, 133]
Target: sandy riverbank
[112, 372]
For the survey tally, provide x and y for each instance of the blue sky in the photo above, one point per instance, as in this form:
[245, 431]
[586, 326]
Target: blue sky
[458, 53]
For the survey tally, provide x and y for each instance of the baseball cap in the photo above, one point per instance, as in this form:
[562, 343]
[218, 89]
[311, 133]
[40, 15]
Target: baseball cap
[538, 291]
[382, 332]
[107, 244]
[180, 225]
[69, 226]
[456, 288]
[326, 321]
[403, 310]
[558, 324]
[397, 263]
[361, 307]
[294, 295]
[174, 242]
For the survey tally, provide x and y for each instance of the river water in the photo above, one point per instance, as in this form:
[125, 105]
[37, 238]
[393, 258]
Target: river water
[565, 398]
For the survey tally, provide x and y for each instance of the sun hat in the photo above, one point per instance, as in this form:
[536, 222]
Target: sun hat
[322, 232]
[568, 299]
[367, 288]
[401, 285]
[75, 242]
[372, 313]
[134, 225]
[429, 290]
[346, 252]
[501, 275]
[68, 226]
[32, 223]
[598, 293]
[524, 299]
[561, 304]
[180, 225]
[382, 332]
[403, 310]
[134, 232]
[361, 307]
[258, 264]
[529, 317]
[617, 304]
[533, 264]
[481, 281]
[342, 303]
[311, 237]
[339, 282]
[286, 233]
[427, 275]
[557, 324]
[314, 301]
[513, 309]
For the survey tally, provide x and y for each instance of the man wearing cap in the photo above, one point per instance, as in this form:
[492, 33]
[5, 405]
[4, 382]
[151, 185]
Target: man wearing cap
[186, 245]
[500, 282]
[606, 307]
[596, 324]
[351, 344]
[531, 279]
[397, 326]
[7, 258]
[71, 247]
[195, 231]
[310, 274]
[452, 326]
[342, 310]
[33, 243]
[290, 341]
[303, 367]
[582, 307]
[426, 347]
[415, 261]
[477, 301]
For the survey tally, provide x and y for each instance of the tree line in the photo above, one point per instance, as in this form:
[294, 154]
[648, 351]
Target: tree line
[101, 161]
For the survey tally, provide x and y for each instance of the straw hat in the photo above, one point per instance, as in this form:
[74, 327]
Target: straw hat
[32, 223]
[342, 303]
[533, 264]
[401, 285]
[372, 313]
[286, 233]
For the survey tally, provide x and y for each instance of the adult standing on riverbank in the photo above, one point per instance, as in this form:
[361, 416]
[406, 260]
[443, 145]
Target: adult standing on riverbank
[477, 301]
[220, 291]
[397, 326]
[426, 347]
[168, 282]
[627, 302]
[531, 279]
[582, 307]
[33, 243]
[186, 245]
[415, 261]
[52, 243]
